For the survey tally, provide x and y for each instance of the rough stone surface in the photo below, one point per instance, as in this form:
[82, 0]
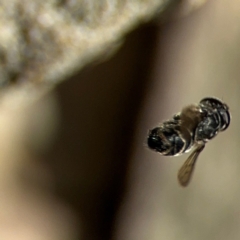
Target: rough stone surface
[44, 41]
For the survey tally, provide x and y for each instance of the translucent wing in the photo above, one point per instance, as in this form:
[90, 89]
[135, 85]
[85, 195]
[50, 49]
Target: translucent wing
[185, 172]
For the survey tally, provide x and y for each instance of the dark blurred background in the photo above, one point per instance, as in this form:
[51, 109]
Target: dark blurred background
[99, 110]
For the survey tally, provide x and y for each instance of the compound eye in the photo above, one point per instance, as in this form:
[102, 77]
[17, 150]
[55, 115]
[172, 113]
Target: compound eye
[211, 102]
[226, 118]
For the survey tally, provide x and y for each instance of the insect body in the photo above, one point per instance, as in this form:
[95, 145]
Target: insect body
[192, 127]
